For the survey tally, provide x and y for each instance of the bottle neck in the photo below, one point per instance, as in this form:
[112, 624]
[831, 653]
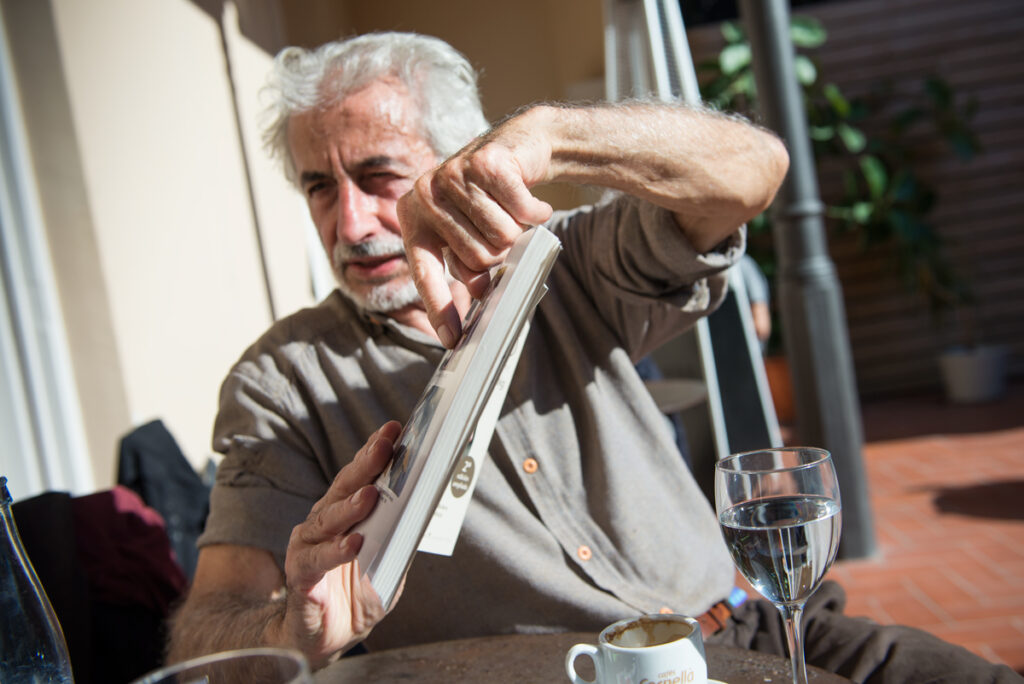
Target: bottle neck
[10, 542]
[6, 517]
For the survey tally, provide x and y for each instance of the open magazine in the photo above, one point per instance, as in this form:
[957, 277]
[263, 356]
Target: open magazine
[446, 420]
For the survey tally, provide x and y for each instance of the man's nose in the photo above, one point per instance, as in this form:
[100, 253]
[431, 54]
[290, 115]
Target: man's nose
[357, 213]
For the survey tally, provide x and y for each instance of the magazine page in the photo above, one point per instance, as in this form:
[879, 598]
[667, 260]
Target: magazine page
[417, 439]
[446, 417]
[446, 523]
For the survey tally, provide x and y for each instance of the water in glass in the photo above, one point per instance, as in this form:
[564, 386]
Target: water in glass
[780, 514]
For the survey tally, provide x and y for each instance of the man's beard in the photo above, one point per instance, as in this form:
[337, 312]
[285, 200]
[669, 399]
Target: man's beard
[391, 294]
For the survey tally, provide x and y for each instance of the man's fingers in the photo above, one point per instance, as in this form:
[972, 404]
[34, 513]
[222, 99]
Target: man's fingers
[470, 211]
[330, 555]
[368, 463]
[509, 204]
[532, 211]
[337, 518]
[324, 541]
[475, 281]
[428, 273]
[462, 218]
[307, 566]
[488, 225]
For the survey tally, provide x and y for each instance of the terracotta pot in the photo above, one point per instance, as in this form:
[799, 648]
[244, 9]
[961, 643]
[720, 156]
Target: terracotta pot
[781, 385]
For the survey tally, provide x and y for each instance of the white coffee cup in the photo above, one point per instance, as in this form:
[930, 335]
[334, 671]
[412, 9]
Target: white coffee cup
[650, 649]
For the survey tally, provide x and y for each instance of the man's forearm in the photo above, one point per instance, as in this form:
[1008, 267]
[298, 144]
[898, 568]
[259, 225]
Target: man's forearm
[214, 622]
[714, 171]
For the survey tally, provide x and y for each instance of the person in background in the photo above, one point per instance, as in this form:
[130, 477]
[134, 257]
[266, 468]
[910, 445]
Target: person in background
[759, 297]
[584, 511]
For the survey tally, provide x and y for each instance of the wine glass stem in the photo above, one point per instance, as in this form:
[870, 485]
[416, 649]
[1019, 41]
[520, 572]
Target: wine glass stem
[792, 616]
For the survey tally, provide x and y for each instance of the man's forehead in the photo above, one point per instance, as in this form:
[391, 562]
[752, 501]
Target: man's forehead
[380, 119]
[391, 104]
[382, 109]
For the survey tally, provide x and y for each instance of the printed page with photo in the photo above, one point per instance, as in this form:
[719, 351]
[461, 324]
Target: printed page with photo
[445, 419]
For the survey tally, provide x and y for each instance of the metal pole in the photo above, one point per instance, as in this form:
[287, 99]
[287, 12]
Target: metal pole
[810, 298]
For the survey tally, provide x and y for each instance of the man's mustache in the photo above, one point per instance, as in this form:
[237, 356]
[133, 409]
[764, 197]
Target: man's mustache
[371, 248]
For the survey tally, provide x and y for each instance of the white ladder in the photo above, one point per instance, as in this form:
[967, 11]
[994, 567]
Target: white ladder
[647, 54]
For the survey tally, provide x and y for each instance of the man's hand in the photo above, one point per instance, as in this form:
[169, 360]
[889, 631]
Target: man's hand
[328, 605]
[468, 212]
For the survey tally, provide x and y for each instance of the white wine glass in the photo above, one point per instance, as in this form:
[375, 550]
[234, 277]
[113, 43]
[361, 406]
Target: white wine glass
[242, 666]
[780, 514]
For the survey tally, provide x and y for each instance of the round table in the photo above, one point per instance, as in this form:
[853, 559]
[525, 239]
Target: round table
[533, 659]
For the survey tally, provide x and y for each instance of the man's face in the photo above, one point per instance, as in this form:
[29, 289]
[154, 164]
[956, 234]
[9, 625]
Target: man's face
[354, 161]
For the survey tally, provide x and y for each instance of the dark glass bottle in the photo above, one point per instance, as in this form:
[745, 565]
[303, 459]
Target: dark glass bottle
[32, 649]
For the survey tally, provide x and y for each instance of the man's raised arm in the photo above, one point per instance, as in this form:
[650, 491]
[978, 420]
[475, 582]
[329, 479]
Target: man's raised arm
[322, 604]
[714, 171]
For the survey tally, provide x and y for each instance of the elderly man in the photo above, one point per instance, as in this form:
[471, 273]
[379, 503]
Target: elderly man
[585, 512]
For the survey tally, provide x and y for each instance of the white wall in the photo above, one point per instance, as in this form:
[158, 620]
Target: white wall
[161, 191]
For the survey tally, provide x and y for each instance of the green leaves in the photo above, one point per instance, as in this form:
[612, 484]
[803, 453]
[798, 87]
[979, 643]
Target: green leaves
[732, 32]
[806, 72]
[733, 86]
[874, 142]
[734, 58]
[853, 138]
[861, 212]
[875, 175]
[953, 122]
[807, 32]
[837, 100]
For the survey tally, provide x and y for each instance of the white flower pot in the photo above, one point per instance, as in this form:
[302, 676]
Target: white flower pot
[974, 374]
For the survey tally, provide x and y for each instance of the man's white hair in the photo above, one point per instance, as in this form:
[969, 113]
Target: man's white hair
[440, 80]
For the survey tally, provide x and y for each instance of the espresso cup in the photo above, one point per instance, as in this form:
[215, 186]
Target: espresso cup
[650, 649]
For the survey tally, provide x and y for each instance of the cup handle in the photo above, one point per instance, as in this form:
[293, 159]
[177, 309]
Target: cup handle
[570, 660]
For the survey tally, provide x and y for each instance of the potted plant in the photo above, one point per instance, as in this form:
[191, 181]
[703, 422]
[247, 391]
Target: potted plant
[884, 200]
[888, 204]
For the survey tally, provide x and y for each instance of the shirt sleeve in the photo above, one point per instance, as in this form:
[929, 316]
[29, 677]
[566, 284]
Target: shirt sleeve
[645, 278]
[267, 481]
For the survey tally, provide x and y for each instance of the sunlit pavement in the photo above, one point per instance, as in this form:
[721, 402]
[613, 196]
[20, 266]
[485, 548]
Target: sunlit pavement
[947, 494]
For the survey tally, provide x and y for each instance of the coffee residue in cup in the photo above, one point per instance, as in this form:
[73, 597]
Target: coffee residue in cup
[648, 631]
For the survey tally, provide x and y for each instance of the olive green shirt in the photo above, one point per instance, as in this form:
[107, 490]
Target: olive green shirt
[610, 523]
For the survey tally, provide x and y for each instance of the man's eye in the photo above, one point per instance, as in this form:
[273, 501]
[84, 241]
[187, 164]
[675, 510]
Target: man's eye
[313, 188]
[384, 183]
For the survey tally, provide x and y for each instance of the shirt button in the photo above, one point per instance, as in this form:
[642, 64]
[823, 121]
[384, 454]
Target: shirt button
[584, 552]
[665, 610]
[530, 465]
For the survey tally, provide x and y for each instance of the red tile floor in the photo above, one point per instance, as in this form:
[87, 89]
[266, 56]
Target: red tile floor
[947, 496]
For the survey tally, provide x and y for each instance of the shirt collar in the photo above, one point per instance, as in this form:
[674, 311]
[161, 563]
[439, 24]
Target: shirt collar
[378, 324]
